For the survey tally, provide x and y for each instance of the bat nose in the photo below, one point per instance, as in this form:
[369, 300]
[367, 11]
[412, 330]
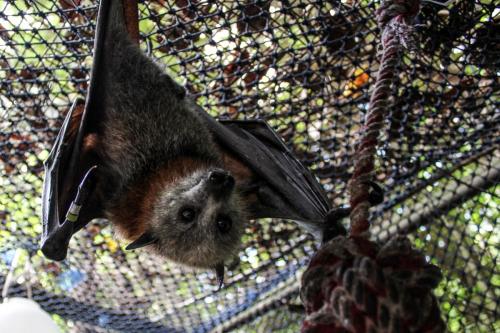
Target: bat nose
[220, 181]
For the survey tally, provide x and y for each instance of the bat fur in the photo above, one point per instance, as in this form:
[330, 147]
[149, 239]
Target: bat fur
[157, 157]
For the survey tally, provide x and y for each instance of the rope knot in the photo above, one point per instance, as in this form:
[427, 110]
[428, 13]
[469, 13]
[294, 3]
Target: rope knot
[395, 19]
[401, 9]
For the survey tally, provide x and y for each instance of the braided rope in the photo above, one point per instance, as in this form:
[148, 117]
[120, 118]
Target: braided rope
[353, 285]
[394, 19]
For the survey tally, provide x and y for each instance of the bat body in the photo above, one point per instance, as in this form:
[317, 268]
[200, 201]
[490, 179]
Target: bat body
[161, 177]
[142, 154]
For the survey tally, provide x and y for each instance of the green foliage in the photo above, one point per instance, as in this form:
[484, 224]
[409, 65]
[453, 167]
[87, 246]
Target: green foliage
[466, 247]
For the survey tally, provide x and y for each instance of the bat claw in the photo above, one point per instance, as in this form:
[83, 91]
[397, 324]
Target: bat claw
[219, 273]
[145, 239]
[376, 194]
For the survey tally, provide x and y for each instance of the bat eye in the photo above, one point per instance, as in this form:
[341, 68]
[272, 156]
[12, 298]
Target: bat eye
[224, 224]
[188, 214]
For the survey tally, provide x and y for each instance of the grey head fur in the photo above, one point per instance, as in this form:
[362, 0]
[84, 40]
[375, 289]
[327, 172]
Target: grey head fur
[196, 223]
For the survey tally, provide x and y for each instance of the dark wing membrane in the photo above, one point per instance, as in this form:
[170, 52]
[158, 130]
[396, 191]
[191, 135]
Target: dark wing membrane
[69, 174]
[286, 188]
[54, 196]
[265, 153]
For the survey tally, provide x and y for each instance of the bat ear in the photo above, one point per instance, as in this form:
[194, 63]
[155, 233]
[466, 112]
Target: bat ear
[219, 272]
[145, 239]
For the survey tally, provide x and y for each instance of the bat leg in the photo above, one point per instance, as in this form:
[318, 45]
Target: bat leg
[84, 190]
[88, 191]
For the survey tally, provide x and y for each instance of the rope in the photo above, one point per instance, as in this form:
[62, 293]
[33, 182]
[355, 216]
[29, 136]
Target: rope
[394, 18]
[352, 284]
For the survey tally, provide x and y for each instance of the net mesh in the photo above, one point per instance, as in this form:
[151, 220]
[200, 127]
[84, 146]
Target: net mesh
[306, 67]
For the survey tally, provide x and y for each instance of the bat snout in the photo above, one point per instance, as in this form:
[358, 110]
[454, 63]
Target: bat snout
[220, 182]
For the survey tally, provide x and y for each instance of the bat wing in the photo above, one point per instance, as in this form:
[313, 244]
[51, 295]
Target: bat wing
[55, 163]
[63, 198]
[282, 186]
[68, 199]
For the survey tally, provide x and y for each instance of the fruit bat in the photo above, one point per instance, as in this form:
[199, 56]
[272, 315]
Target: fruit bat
[167, 175]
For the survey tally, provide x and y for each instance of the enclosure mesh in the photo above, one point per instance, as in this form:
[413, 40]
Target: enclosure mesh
[306, 67]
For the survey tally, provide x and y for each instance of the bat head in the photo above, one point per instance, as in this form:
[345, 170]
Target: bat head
[198, 220]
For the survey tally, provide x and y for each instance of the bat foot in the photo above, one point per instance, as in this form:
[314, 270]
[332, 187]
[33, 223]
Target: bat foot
[333, 226]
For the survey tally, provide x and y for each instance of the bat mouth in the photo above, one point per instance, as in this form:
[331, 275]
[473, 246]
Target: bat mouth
[203, 256]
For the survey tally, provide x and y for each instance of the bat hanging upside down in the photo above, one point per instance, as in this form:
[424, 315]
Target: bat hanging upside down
[165, 173]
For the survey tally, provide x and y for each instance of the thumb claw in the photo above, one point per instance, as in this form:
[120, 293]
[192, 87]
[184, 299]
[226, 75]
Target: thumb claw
[145, 239]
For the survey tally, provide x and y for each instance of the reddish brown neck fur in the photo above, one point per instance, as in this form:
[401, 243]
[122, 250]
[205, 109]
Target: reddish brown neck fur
[132, 215]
